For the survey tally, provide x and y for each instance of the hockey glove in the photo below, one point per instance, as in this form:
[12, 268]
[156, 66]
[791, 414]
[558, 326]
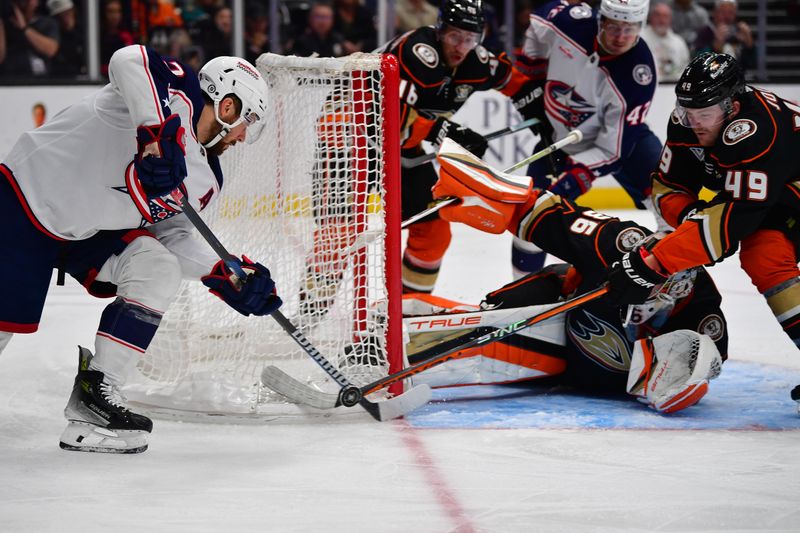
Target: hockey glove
[691, 209]
[631, 281]
[488, 197]
[671, 372]
[256, 296]
[161, 158]
[576, 179]
[472, 141]
[530, 104]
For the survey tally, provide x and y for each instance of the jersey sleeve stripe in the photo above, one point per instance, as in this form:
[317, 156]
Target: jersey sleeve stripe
[146, 65]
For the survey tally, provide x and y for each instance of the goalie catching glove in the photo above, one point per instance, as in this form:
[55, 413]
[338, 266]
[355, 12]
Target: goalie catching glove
[488, 197]
[443, 129]
[671, 372]
[254, 296]
[160, 160]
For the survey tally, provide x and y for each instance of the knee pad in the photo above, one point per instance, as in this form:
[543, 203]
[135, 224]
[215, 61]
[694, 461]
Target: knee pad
[145, 272]
[769, 258]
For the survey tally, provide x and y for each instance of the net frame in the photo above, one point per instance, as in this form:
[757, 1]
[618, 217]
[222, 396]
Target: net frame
[369, 242]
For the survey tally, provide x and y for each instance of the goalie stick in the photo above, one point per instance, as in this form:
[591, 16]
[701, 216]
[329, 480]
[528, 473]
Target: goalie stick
[278, 380]
[410, 162]
[572, 137]
[350, 394]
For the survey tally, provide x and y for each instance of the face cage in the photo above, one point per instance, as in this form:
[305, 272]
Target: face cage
[682, 113]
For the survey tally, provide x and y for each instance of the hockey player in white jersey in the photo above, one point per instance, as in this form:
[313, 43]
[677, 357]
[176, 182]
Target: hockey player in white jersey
[95, 193]
[599, 77]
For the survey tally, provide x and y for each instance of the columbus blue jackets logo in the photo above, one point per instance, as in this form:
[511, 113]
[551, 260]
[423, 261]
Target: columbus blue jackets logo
[642, 74]
[600, 341]
[565, 105]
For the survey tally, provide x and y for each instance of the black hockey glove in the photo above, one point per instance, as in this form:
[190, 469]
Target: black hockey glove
[256, 296]
[691, 209]
[161, 158]
[631, 281]
[529, 102]
[472, 141]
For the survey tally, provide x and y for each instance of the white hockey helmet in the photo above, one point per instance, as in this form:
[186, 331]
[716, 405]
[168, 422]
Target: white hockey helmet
[625, 10]
[226, 75]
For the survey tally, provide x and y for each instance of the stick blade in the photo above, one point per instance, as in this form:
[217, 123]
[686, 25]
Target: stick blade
[295, 391]
[403, 404]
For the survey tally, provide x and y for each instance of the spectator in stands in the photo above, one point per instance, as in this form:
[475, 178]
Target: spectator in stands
[727, 35]
[112, 35]
[669, 49]
[688, 18]
[38, 114]
[256, 32]
[413, 14]
[319, 36]
[491, 33]
[31, 40]
[522, 20]
[356, 24]
[70, 61]
[215, 35]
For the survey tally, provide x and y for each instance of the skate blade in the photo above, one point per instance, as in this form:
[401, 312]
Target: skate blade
[84, 437]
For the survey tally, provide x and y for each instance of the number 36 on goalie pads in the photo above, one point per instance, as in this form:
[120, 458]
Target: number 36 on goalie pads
[668, 373]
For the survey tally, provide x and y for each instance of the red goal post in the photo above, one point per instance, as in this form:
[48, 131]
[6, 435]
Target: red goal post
[317, 200]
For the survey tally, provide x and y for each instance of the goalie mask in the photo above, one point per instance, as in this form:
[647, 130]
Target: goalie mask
[227, 75]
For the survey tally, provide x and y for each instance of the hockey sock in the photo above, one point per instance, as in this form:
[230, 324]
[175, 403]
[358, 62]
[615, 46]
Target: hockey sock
[125, 331]
[783, 300]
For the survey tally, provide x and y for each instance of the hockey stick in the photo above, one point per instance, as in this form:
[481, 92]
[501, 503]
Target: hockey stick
[411, 162]
[349, 395]
[436, 355]
[572, 137]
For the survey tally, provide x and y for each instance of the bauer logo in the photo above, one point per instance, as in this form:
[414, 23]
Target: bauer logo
[427, 54]
[738, 130]
[642, 74]
[248, 69]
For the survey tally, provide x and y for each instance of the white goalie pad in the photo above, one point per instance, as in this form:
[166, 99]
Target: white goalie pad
[671, 372]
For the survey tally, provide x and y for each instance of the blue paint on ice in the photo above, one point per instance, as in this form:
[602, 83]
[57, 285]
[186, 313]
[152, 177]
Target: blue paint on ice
[746, 396]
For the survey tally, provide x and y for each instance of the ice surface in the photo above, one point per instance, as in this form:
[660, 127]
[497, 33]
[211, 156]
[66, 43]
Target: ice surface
[491, 468]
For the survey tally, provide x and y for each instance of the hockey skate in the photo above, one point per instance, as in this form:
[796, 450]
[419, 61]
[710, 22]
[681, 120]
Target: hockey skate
[97, 418]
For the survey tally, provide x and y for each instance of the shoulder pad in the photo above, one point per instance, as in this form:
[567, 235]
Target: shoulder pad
[418, 55]
[748, 136]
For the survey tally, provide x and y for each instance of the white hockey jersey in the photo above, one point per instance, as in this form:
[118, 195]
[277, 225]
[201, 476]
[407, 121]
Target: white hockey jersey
[606, 97]
[74, 173]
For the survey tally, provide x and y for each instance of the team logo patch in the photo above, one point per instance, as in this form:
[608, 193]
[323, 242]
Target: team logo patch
[629, 238]
[581, 11]
[463, 92]
[738, 130]
[713, 326]
[482, 53]
[642, 74]
[601, 342]
[426, 53]
[566, 105]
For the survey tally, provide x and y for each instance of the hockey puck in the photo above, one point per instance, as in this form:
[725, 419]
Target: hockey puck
[350, 396]
[796, 394]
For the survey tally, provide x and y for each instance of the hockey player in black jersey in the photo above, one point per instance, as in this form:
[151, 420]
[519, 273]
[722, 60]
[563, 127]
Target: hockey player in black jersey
[664, 351]
[439, 68]
[742, 143]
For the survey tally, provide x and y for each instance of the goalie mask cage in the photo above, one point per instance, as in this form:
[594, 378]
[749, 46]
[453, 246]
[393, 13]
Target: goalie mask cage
[316, 199]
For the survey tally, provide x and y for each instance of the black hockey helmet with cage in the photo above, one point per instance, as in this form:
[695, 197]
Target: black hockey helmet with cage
[709, 79]
[462, 14]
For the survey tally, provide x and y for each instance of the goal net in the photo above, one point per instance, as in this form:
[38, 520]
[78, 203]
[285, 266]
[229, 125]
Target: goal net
[314, 201]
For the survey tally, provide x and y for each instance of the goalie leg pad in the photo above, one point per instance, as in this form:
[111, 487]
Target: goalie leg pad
[671, 372]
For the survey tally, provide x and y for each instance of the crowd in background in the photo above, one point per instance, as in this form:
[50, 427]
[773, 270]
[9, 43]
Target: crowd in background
[46, 38]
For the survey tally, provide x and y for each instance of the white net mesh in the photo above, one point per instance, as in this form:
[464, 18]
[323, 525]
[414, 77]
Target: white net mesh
[306, 200]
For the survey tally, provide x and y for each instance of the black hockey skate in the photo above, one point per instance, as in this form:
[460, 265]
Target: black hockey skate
[98, 419]
[796, 396]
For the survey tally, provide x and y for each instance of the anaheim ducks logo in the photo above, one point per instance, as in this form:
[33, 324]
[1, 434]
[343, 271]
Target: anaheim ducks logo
[426, 53]
[601, 342]
[738, 130]
[713, 326]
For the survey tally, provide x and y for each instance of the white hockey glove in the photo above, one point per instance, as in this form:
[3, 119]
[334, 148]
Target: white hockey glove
[671, 372]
